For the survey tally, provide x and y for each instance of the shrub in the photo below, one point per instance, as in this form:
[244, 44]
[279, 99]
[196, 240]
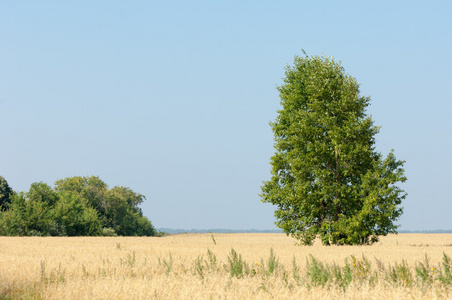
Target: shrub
[108, 232]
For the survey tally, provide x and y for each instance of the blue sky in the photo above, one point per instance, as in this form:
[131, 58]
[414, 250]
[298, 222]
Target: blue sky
[173, 98]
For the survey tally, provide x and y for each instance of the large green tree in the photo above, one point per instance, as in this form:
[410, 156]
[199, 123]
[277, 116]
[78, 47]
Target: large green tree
[327, 178]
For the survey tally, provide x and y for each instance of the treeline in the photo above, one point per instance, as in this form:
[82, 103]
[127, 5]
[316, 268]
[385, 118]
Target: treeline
[76, 206]
[218, 230]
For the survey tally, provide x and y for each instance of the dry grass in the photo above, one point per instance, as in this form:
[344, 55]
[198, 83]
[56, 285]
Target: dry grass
[178, 267]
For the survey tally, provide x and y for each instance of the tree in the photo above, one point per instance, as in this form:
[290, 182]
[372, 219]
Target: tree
[12, 220]
[327, 178]
[40, 191]
[5, 193]
[92, 189]
[36, 216]
[123, 213]
[40, 200]
[78, 218]
[117, 208]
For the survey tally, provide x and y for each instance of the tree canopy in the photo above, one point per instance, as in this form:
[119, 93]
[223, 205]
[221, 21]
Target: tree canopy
[76, 206]
[327, 177]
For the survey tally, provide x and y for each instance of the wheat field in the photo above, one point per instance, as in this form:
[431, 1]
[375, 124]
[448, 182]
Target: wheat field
[203, 266]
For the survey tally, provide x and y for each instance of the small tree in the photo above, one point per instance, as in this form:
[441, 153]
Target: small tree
[327, 179]
[78, 218]
[40, 191]
[13, 221]
[123, 213]
[92, 189]
[5, 193]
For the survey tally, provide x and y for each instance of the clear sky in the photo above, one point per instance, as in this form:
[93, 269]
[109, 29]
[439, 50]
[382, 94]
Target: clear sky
[173, 98]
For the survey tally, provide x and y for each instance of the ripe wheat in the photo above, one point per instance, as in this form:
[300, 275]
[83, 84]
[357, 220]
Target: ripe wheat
[220, 266]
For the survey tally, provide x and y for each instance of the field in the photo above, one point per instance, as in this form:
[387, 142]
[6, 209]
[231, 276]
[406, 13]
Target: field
[223, 266]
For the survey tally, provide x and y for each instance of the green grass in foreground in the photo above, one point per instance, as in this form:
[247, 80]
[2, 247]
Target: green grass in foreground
[319, 274]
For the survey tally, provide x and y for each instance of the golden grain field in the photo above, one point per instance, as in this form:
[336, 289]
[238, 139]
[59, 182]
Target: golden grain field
[198, 266]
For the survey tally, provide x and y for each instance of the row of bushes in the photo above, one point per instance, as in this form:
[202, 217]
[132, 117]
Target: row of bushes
[76, 206]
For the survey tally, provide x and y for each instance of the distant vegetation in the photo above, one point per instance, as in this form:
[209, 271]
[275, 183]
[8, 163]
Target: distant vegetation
[426, 231]
[218, 230]
[76, 206]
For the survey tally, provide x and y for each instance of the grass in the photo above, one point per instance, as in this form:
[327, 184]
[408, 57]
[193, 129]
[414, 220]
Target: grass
[252, 266]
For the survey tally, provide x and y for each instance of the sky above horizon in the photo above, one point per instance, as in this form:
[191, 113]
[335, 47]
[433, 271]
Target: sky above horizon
[173, 98]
